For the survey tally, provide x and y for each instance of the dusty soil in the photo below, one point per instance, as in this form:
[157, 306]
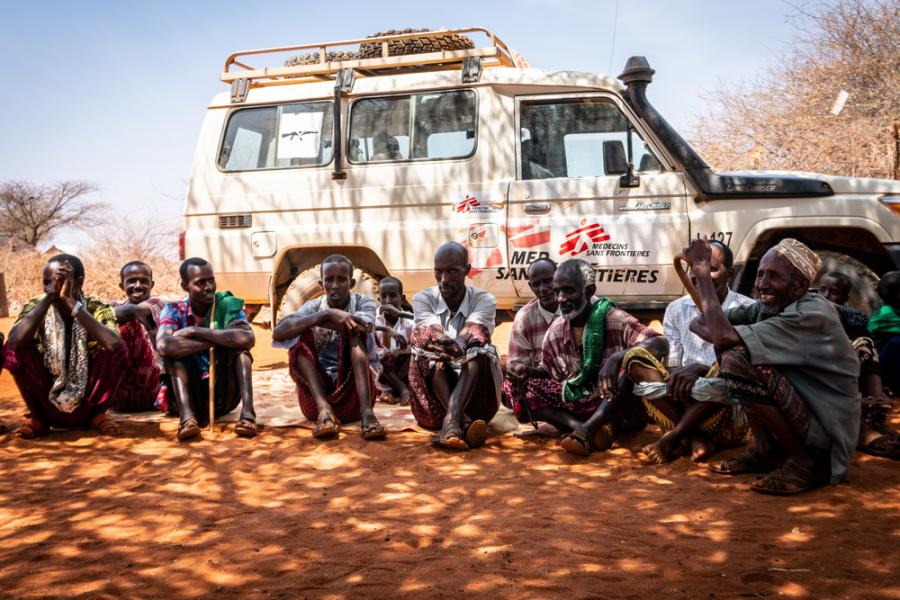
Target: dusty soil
[141, 516]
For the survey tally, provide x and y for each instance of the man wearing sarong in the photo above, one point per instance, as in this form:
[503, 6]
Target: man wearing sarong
[455, 375]
[787, 359]
[689, 425]
[585, 395]
[188, 334]
[526, 340]
[65, 354]
[138, 319]
[876, 437]
[329, 340]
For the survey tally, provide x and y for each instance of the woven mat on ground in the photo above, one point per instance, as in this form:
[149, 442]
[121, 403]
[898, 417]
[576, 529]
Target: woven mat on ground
[275, 401]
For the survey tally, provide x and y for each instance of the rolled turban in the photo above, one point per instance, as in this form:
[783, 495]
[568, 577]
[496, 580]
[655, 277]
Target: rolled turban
[798, 254]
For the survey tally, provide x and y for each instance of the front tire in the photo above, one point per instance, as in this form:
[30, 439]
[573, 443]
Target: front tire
[863, 296]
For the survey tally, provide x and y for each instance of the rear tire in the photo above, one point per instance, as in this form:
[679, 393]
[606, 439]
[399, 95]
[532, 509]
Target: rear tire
[305, 287]
[863, 296]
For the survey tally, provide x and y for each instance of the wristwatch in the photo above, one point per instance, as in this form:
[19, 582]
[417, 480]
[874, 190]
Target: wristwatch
[78, 306]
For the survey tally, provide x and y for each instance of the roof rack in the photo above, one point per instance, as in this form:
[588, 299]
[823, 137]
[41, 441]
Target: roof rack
[495, 54]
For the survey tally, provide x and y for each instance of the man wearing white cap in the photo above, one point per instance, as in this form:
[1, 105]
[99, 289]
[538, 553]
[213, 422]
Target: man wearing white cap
[788, 361]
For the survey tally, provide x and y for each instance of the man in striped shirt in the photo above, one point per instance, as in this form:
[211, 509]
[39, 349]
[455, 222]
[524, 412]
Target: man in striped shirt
[527, 338]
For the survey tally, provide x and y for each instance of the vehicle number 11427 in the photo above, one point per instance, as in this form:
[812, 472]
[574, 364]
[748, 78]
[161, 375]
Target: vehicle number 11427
[720, 236]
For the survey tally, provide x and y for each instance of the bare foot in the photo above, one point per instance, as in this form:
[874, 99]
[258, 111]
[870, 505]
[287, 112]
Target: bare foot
[701, 449]
[660, 452]
[405, 396]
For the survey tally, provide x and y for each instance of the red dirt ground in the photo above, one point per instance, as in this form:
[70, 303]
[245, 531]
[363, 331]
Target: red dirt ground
[140, 516]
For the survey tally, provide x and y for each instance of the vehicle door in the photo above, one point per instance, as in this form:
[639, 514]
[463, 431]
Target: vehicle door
[572, 198]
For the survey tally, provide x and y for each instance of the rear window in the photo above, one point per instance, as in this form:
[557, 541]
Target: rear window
[416, 127]
[274, 137]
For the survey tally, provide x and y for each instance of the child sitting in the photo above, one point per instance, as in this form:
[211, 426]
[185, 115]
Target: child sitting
[393, 327]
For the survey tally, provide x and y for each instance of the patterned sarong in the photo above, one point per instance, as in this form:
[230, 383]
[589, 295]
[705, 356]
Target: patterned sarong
[726, 426]
[141, 382]
[426, 408]
[341, 394]
[34, 380]
[764, 384]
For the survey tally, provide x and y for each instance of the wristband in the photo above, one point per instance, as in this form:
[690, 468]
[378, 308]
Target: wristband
[75, 309]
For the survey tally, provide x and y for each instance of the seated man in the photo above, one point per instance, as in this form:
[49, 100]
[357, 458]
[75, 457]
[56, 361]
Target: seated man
[188, 334]
[138, 319]
[705, 425]
[455, 375]
[65, 354]
[526, 340]
[884, 327]
[583, 353]
[875, 435]
[790, 364]
[328, 340]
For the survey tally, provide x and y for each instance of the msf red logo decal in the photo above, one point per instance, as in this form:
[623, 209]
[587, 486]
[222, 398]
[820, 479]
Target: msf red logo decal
[582, 239]
[467, 204]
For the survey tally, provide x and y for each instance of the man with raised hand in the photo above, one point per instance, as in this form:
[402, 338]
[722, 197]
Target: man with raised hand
[65, 354]
[787, 359]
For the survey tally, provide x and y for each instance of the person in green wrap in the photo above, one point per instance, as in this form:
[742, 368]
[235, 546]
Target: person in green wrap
[184, 341]
[583, 393]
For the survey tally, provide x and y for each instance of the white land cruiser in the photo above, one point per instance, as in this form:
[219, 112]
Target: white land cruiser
[418, 138]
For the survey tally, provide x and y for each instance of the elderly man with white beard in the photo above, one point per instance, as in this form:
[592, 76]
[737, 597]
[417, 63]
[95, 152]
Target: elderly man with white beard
[582, 392]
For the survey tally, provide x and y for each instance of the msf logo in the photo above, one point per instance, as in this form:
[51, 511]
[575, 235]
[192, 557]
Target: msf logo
[467, 204]
[582, 239]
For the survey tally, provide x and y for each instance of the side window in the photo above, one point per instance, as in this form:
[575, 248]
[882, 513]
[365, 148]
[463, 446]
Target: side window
[415, 127]
[291, 135]
[566, 138]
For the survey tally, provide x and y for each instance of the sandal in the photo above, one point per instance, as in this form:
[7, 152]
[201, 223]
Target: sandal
[323, 431]
[451, 437]
[789, 479]
[187, 429]
[476, 433]
[31, 429]
[372, 430]
[246, 428]
[105, 425]
[886, 446]
[749, 462]
[576, 442]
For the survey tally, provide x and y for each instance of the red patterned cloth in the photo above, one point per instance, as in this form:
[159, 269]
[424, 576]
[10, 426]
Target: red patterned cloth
[105, 371]
[426, 408]
[342, 395]
[141, 382]
[562, 359]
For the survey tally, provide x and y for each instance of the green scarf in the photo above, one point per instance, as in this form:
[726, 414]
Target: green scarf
[884, 325]
[593, 341]
[228, 308]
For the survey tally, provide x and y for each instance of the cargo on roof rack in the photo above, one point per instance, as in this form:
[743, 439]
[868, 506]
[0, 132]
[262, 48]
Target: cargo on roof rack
[494, 53]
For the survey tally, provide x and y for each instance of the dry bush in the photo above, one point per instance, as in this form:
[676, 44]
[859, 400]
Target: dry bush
[783, 121]
[115, 244]
[152, 242]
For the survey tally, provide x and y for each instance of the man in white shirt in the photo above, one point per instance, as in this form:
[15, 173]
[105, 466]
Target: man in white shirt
[704, 425]
[455, 375]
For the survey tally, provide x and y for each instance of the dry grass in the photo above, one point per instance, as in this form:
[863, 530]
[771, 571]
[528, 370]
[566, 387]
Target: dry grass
[113, 246]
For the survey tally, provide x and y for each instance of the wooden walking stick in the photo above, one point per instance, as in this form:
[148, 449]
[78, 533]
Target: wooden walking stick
[680, 261]
[212, 369]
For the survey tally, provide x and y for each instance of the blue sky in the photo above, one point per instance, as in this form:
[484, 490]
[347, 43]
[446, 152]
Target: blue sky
[114, 92]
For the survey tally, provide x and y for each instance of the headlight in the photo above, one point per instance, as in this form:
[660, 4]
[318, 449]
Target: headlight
[892, 202]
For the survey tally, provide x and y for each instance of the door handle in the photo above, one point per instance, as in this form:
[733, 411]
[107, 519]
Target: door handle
[537, 208]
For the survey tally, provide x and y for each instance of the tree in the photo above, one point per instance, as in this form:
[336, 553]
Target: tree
[30, 212]
[785, 120]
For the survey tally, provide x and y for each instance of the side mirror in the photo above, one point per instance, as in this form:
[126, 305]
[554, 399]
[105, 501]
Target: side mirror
[614, 162]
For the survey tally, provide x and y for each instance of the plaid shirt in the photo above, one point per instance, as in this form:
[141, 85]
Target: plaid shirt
[685, 346]
[528, 330]
[179, 315]
[562, 359]
[102, 312]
